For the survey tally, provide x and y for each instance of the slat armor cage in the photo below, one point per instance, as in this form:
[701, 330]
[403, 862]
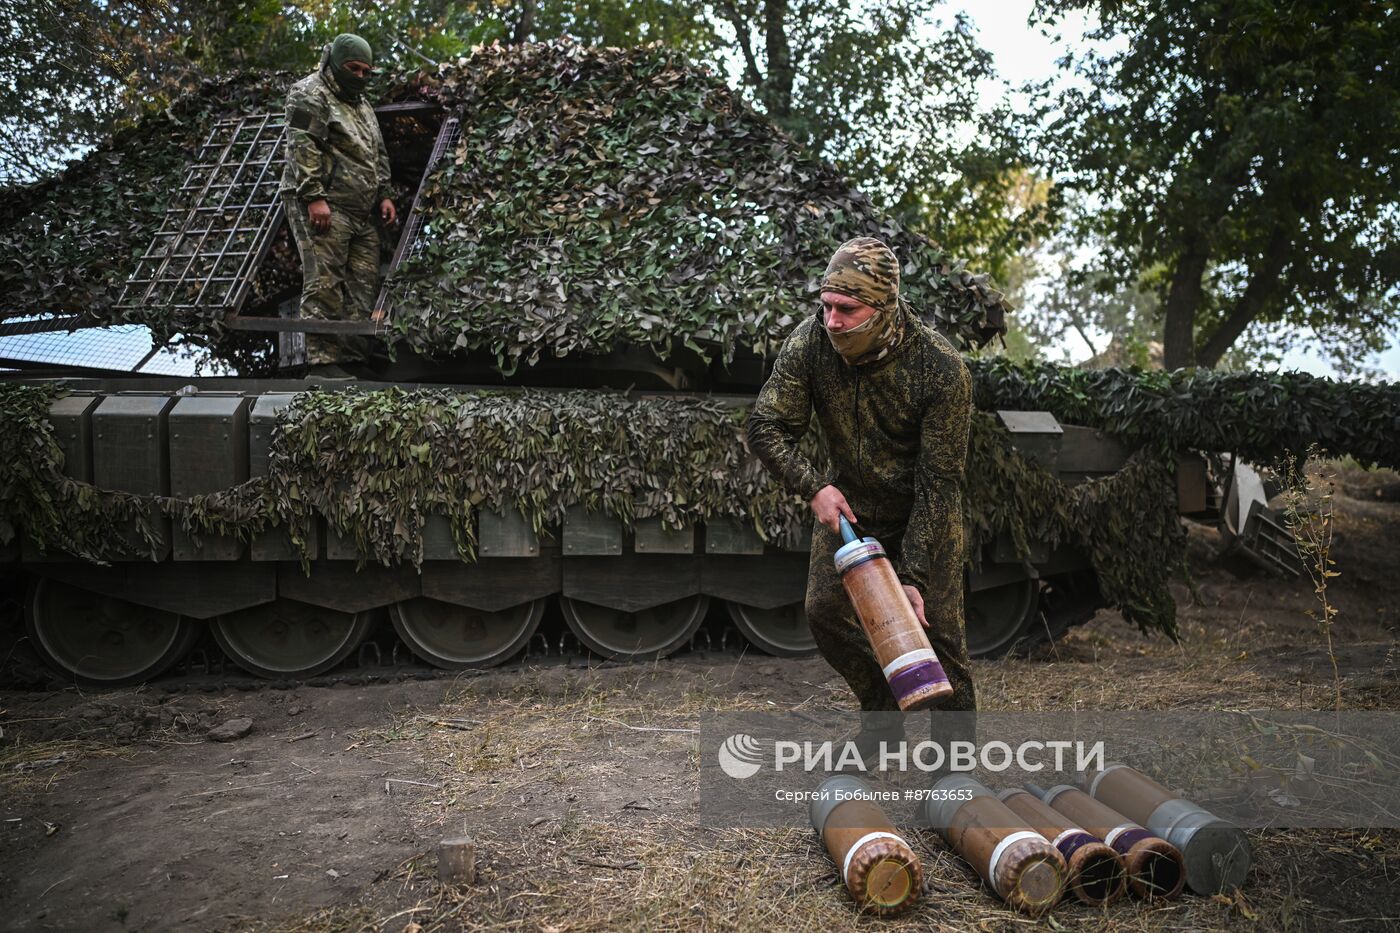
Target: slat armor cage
[219, 224]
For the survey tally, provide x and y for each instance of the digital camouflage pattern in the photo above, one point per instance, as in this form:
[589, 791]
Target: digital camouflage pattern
[340, 279]
[334, 148]
[895, 435]
[334, 151]
[842, 641]
[867, 270]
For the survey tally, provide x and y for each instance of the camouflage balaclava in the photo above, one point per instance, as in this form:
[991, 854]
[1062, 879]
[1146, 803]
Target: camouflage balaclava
[868, 271]
[347, 47]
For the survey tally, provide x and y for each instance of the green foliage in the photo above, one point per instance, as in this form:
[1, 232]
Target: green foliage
[79, 68]
[1260, 416]
[1247, 148]
[378, 465]
[877, 87]
[600, 198]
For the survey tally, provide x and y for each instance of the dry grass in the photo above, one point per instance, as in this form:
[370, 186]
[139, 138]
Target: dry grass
[554, 776]
[29, 768]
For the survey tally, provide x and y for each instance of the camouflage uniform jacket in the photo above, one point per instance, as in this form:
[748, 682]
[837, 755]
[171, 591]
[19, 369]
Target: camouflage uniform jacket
[334, 148]
[895, 431]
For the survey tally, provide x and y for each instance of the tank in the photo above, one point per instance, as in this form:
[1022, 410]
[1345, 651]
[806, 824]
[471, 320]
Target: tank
[624, 280]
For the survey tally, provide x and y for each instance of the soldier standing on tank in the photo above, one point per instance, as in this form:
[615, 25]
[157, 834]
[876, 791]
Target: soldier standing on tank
[893, 400]
[336, 178]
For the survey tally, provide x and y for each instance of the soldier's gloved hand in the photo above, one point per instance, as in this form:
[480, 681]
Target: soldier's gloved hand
[319, 213]
[829, 505]
[388, 212]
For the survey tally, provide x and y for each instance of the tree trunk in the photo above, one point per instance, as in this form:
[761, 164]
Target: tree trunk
[1183, 301]
[525, 24]
[1263, 285]
[777, 91]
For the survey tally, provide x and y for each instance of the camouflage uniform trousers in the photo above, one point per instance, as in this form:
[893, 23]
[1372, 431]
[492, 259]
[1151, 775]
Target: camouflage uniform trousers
[340, 279]
[843, 643]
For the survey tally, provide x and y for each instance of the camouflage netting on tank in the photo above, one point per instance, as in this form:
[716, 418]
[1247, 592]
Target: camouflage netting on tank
[1260, 416]
[598, 198]
[37, 500]
[601, 198]
[1127, 522]
[376, 465]
[68, 243]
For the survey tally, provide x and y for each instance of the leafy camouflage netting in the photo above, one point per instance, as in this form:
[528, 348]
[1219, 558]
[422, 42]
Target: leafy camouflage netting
[68, 243]
[601, 198]
[376, 465]
[598, 197]
[1260, 416]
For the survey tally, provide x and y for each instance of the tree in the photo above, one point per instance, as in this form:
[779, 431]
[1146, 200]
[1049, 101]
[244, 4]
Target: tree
[881, 89]
[1249, 149]
[75, 69]
[877, 86]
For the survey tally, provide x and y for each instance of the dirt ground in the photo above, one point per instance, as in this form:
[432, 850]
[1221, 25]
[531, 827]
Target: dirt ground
[118, 813]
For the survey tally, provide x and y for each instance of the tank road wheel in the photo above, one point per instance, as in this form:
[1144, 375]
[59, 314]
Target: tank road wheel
[285, 639]
[782, 632]
[997, 617]
[457, 637]
[635, 636]
[101, 640]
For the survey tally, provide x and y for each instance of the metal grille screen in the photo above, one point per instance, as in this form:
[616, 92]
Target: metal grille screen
[218, 225]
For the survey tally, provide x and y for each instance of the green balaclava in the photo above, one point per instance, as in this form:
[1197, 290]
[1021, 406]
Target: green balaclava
[868, 271]
[347, 47]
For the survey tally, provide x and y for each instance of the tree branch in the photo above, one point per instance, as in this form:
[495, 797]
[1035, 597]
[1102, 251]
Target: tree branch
[1179, 311]
[752, 76]
[1263, 283]
[525, 24]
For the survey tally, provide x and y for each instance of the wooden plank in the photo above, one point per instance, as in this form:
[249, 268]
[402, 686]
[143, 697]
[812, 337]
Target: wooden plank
[300, 325]
[408, 108]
